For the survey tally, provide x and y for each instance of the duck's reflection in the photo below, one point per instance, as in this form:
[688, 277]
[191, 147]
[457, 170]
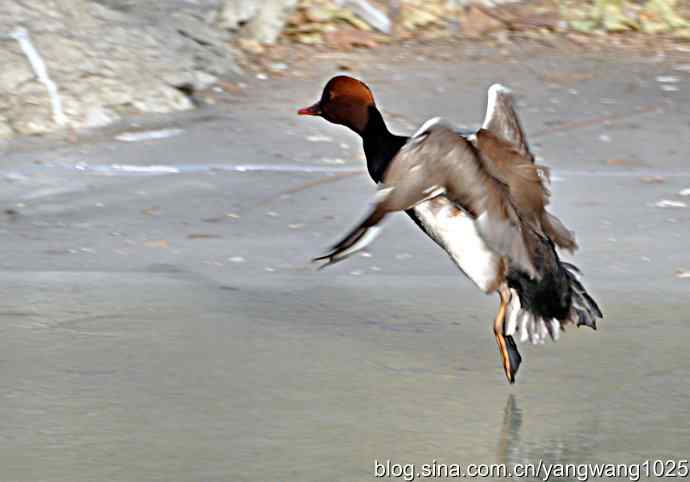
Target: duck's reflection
[509, 438]
[565, 439]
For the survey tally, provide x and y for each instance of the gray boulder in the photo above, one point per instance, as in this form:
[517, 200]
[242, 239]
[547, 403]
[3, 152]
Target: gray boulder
[262, 21]
[106, 58]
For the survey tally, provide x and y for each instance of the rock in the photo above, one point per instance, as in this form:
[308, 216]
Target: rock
[163, 100]
[33, 119]
[107, 57]
[476, 23]
[235, 13]
[370, 14]
[204, 80]
[99, 116]
[259, 21]
[6, 131]
[318, 13]
[20, 73]
[348, 38]
[251, 46]
[268, 23]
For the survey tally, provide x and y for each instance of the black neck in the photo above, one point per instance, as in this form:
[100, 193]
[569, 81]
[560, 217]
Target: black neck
[380, 145]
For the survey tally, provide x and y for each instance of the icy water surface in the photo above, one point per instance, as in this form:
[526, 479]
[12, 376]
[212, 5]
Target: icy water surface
[159, 376]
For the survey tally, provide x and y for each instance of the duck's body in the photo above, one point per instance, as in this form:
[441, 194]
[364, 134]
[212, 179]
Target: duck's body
[438, 218]
[457, 199]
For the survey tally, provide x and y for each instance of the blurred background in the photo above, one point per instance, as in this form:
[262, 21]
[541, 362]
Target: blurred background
[161, 199]
[113, 58]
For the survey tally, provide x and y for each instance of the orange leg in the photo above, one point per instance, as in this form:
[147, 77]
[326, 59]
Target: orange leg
[506, 345]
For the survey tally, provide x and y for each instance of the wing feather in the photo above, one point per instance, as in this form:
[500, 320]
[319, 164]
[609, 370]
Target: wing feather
[439, 161]
[503, 144]
[502, 121]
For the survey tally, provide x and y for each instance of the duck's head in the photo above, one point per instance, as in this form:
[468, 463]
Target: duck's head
[345, 101]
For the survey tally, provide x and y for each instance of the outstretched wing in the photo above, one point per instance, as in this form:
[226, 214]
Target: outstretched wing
[437, 161]
[503, 144]
[502, 122]
[356, 240]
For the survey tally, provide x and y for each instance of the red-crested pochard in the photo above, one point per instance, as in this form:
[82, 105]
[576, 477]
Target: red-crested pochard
[482, 199]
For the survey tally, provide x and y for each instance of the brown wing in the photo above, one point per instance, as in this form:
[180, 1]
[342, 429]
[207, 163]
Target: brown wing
[439, 161]
[502, 122]
[503, 144]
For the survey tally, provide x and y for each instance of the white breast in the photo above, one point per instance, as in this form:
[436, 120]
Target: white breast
[455, 232]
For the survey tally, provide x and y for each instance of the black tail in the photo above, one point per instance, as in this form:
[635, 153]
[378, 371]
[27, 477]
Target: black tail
[583, 309]
[559, 294]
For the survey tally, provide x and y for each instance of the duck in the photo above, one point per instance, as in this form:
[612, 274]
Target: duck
[479, 196]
